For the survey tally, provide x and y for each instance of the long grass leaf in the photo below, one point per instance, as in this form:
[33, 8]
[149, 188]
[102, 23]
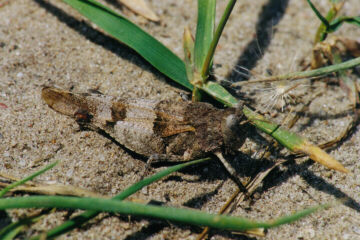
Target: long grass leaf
[193, 217]
[204, 31]
[219, 29]
[128, 33]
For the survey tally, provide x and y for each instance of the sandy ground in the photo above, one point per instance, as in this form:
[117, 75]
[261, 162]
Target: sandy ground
[47, 42]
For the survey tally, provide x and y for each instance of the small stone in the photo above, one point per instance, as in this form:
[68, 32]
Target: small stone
[6, 154]
[356, 229]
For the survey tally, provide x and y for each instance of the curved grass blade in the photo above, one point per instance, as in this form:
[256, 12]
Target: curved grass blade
[128, 33]
[86, 216]
[193, 217]
[340, 20]
[24, 180]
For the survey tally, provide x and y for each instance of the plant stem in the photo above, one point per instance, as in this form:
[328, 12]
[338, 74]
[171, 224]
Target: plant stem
[307, 74]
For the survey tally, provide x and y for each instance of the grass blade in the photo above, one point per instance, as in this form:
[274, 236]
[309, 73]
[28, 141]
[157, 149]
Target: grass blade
[318, 14]
[86, 216]
[296, 216]
[323, 29]
[210, 53]
[339, 21]
[13, 229]
[193, 217]
[219, 93]
[293, 142]
[128, 33]
[24, 180]
[204, 31]
[204, 35]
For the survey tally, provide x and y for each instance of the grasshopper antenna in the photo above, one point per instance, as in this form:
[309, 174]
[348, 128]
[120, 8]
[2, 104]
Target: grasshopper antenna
[233, 173]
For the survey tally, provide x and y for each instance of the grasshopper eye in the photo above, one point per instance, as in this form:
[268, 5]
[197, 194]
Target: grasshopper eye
[82, 116]
[231, 121]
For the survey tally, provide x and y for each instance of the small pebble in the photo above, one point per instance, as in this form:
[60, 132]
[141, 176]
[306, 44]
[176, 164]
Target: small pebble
[20, 75]
[356, 229]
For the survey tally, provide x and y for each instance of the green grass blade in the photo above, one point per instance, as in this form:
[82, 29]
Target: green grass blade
[318, 14]
[193, 217]
[219, 29]
[287, 139]
[204, 31]
[147, 181]
[323, 29]
[24, 180]
[86, 216]
[13, 229]
[292, 141]
[296, 216]
[219, 93]
[339, 21]
[128, 33]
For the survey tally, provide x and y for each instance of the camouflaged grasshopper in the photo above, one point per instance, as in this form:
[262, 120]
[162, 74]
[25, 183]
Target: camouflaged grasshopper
[159, 130]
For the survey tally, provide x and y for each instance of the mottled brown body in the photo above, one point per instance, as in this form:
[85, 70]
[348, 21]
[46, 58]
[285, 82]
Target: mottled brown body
[177, 130]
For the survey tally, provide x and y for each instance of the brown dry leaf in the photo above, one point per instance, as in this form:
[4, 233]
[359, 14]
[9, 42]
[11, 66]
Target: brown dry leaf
[320, 156]
[140, 7]
[323, 51]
